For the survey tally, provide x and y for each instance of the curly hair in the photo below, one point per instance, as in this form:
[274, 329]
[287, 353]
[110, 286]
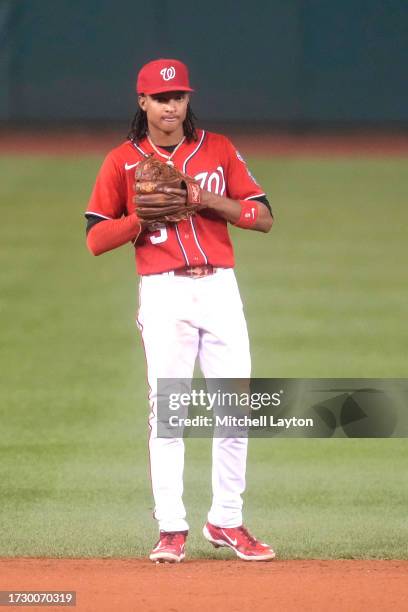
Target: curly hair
[138, 127]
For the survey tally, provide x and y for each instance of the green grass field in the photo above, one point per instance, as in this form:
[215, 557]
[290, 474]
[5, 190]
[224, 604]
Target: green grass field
[326, 295]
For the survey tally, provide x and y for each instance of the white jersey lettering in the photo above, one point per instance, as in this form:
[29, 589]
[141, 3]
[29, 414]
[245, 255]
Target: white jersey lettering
[162, 237]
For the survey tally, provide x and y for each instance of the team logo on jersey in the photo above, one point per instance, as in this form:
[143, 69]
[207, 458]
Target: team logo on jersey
[168, 73]
[212, 181]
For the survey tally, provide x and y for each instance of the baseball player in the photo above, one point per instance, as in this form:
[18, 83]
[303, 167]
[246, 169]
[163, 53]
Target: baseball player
[190, 304]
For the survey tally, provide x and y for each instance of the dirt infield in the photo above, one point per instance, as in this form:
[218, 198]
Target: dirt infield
[77, 142]
[124, 585]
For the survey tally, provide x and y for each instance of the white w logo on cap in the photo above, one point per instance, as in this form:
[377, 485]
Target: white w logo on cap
[168, 73]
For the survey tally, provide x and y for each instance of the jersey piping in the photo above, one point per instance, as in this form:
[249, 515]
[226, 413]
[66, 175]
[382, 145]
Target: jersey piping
[139, 149]
[95, 214]
[181, 246]
[193, 153]
[258, 195]
[196, 239]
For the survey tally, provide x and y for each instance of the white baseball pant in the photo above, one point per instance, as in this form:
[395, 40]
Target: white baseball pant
[181, 318]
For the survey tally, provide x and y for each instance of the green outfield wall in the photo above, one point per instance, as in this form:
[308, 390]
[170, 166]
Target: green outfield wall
[284, 61]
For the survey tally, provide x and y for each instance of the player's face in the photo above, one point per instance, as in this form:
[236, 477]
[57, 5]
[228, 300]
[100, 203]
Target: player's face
[166, 111]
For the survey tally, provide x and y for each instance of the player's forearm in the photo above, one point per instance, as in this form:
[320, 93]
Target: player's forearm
[112, 233]
[230, 210]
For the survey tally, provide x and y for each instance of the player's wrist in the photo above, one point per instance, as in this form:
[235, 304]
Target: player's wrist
[209, 200]
[138, 224]
[227, 208]
[248, 215]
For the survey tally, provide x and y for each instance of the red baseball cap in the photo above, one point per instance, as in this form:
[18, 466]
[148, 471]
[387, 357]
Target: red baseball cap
[163, 75]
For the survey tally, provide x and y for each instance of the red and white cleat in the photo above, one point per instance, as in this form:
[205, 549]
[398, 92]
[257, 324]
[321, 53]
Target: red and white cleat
[170, 547]
[240, 540]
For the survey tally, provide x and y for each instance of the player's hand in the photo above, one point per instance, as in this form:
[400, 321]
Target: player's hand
[206, 198]
[175, 191]
[205, 195]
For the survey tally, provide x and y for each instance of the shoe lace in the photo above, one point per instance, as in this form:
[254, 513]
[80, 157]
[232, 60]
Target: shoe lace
[169, 536]
[251, 539]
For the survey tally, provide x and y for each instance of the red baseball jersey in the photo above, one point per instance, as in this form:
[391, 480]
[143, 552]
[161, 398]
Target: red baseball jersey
[218, 167]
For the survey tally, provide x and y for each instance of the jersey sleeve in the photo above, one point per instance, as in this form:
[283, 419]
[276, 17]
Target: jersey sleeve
[108, 198]
[241, 184]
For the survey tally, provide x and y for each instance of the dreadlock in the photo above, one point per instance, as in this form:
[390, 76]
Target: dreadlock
[138, 127]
